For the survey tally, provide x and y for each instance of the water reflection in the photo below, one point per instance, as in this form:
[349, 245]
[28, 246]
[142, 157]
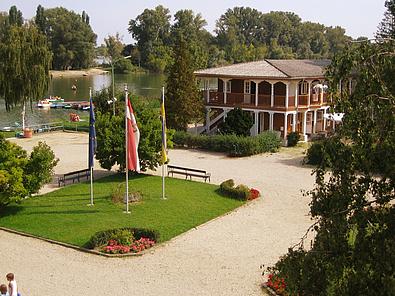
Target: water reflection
[148, 85]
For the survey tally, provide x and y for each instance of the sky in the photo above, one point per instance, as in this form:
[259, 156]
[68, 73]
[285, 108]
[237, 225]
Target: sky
[358, 17]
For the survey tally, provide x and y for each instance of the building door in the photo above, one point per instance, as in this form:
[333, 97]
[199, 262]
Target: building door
[309, 123]
[247, 92]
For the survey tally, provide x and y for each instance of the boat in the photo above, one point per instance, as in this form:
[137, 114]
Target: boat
[44, 104]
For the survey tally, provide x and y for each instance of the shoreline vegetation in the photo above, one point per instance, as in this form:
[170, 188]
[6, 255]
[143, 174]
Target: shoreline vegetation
[77, 73]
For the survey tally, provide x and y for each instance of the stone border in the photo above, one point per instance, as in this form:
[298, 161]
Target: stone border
[268, 290]
[94, 252]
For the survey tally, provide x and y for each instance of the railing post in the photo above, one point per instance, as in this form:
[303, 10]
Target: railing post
[286, 95]
[272, 95]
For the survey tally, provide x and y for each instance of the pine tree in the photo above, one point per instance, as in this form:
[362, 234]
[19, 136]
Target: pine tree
[184, 104]
[386, 28]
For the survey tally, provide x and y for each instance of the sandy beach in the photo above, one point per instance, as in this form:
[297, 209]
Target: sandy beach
[77, 73]
[221, 257]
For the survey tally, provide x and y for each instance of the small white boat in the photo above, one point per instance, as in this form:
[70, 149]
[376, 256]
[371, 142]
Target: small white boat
[44, 104]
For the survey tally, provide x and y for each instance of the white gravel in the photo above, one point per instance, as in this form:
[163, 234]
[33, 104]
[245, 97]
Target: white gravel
[221, 257]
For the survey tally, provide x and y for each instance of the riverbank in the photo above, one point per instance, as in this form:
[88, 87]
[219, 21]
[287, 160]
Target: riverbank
[77, 73]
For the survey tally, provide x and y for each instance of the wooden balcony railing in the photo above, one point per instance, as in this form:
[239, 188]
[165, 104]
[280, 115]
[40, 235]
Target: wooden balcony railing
[303, 100]
[216, 97]
[264, 101]
[279, 101]
[291, 101]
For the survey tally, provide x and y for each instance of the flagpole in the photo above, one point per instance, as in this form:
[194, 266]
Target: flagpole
[163, 163]
[126, 150]
[91, 165]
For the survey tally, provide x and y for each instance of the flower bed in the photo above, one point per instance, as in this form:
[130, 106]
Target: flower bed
[113, 246]
[240, 192]
[123, 240]
[277, 284]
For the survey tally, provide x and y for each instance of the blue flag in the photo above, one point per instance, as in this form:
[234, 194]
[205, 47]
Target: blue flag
[92, 134]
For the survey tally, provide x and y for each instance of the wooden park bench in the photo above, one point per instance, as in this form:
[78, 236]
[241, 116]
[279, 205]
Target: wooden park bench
[76, 175]
[188, 172]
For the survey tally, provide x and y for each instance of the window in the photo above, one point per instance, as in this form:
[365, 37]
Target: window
[247, 87]
[229, 86]
[303, 88]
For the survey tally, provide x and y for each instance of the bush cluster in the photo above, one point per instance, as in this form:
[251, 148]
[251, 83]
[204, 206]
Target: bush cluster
[103, 237]
[240, 192]
[233, 145]
[293, 139]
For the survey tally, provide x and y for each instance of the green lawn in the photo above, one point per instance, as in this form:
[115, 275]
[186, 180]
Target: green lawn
[8, 134]
[63, 215]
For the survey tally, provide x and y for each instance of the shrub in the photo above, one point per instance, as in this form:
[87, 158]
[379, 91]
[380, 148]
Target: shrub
[103, 237]
[237, 122]
[241, 192]
[293, 139]
[123, 237]
[315, 153]
[233, 145]
[118, 194]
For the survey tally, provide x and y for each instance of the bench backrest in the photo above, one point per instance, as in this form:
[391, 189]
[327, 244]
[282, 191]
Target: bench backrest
[77, 172]
[186, 169]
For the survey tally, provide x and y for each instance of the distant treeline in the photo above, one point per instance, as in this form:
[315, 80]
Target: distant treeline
[241, 34]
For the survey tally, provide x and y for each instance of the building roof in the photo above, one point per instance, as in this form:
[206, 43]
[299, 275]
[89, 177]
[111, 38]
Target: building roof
[269, 69]
[301, 68]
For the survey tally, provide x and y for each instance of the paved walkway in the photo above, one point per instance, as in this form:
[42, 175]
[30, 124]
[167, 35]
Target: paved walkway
[221, 257]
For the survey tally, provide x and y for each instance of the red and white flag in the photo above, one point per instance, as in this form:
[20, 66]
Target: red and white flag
[133, 138]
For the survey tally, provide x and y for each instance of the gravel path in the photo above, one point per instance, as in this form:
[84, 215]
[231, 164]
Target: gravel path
[221, 257]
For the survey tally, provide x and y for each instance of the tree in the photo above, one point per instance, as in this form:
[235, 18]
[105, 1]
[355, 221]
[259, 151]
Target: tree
[184, 104]
[114, 47]
[110, 132]
[22, 175]
[190, 27]
[238, 122]
[151, 29]
[71, 38]
[15, 17]
[386, 28]
[24, 74]
[353, 203]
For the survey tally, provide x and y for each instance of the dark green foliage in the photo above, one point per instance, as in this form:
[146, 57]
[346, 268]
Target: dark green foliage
[122, 236]
[26, 60]
[293, 139]
[184, 103]
[353, 202]
[240, 192]
[39, 169]
[123, 66]
[315, 153]
[236, 146]
[22, 175]
[70, 37]
[15, 17]
[238, 122]
[151, 30]
[102, 237]
[386, 28]
[110, 132]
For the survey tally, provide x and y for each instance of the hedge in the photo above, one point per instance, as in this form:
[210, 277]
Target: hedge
[231, 144]
[240, 192]
[102, 237]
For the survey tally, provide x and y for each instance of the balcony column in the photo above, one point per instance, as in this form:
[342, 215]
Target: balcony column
[257, 91]
[324, 118]
[309, 95]
[208, 110]
[315, 121]
[271, 120]
[256, 124]
[207, 85]
[285, 125]
[305, 126]
[296, 96]
[225, 80]
[294, 115]
[272, 95]
[286, 95]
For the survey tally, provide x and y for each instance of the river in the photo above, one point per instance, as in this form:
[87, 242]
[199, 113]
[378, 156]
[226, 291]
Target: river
[147, 85]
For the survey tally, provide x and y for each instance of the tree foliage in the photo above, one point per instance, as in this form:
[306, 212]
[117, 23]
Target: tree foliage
[70, 37]
[183, 101]
[386, 28]
[110, 132]
[22, 175]
[238, 122]
[26, 60]
[352, 204]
